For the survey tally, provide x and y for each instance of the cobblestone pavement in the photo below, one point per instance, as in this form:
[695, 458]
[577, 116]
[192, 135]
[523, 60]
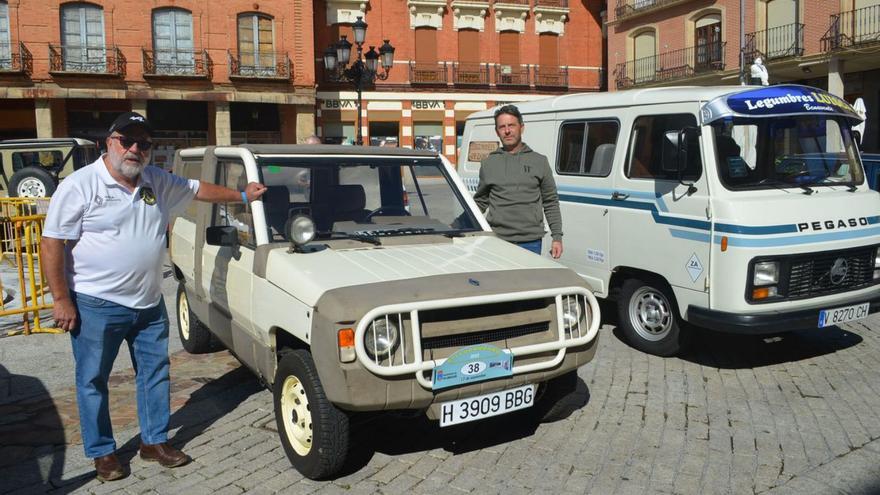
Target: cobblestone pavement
[794, 414]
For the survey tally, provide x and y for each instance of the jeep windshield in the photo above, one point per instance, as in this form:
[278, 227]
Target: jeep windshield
[363, 198]
[800, 151]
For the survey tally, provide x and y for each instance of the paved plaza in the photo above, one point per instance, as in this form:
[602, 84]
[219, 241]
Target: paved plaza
[799, 413]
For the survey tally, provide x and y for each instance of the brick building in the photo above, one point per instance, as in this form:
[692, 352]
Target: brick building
[827, 44]
[452, 58]
[204, 72]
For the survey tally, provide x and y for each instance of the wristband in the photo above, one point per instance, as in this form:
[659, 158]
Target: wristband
[244, 197]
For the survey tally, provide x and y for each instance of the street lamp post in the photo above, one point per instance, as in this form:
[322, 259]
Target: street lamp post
[365, 68]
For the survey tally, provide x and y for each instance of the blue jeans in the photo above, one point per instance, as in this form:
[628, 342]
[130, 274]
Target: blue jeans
[101, 328]
[533, 246]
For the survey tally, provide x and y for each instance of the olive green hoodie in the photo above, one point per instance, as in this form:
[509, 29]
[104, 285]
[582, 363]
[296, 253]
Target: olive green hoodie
[516, 191]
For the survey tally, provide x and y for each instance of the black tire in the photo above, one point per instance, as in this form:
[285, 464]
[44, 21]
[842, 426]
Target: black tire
[32, 182]
[313, 432]
[555, 400]
[648, 316]
[195, 337]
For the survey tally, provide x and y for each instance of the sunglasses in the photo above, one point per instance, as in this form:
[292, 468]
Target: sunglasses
[128, 142]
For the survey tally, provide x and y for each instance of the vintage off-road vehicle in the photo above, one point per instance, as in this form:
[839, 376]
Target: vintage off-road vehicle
[366, 279]
[33, 167]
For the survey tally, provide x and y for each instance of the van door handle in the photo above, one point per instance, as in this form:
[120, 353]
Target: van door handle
[619, 196]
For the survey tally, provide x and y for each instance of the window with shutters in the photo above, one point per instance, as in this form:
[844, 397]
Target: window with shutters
[644, 60]
[173, 41]
[548, 72]
[426, 70]
[82, 38]
[5, 47]
[256, 47]
[468, 70]
[509, 71]
[707, 38]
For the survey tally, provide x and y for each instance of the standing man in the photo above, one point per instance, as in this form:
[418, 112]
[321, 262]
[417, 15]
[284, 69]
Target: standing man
[102, 251]
[517, 189]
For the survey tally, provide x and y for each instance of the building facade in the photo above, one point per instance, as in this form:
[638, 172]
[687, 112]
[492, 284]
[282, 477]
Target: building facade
[203, 72]
[827, 44]
[453, 58]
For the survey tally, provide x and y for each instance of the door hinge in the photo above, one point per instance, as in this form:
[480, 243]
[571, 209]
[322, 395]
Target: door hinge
[706, 283]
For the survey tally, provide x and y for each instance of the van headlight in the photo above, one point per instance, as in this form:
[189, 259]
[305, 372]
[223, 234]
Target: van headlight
[381, 338]
[766, 273]
[571, 312]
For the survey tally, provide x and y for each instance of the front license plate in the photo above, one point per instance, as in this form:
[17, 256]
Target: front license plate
[831, 317]
[486, 406]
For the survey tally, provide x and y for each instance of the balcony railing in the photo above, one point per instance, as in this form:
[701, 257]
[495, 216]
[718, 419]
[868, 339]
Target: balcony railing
[470, 74]
[266, 65]
[422, 73]
[853, 28]
[628, 8]
[511, 75]
[97, 60]
[15, 59]
[559, 4]
[177, 63]
[513, 2]
[551, 77]
[774, 43]
[668, 66]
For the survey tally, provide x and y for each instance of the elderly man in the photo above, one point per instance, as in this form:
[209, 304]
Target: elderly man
[102, 251]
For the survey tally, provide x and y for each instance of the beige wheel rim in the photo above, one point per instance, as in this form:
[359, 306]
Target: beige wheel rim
[296, 416]
[183, 316]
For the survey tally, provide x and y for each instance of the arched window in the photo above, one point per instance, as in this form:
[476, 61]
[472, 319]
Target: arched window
[82, 38]
[644, 56]
[173, 41]
[5, 47]
[256, 45]
[707, 39]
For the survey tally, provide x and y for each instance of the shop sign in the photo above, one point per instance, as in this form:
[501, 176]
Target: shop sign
[338, 105]
[428, 105]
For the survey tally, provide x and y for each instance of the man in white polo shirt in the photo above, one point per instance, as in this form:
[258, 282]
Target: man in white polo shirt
[102, 249]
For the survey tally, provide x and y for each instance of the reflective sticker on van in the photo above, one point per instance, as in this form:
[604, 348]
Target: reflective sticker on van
[694, 267]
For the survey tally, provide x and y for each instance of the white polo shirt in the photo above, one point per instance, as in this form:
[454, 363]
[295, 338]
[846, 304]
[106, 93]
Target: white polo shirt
[119, 235]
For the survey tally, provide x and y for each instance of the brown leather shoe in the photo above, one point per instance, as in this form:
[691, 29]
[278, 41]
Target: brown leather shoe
[109, 468]
[164, 454]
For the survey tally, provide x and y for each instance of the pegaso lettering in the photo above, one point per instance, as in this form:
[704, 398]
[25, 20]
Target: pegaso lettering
[843, 223]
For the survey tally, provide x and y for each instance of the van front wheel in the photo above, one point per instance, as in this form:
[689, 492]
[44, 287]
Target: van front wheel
[649, 318]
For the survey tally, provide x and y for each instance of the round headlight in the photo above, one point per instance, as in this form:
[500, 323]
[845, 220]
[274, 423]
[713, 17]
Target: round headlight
[571, 312]
[301, 230]
[381, 338]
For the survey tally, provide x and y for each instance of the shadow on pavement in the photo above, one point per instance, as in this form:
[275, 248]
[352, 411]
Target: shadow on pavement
[205, 406]
[395, 434]
[32, 448]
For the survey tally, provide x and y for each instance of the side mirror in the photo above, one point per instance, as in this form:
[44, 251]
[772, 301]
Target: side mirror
[221, 235]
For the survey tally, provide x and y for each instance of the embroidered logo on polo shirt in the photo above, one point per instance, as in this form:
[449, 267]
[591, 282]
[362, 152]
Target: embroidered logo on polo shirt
[148, 196]
[100, 201]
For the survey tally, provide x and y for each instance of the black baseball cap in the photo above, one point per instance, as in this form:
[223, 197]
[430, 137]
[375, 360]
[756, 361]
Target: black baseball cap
[129, 119]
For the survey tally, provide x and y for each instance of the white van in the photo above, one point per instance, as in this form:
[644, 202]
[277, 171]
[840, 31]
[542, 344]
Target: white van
[742, 209]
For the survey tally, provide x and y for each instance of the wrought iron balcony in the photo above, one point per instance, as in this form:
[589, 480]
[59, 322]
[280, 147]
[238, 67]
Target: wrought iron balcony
[559, 4]
[511, 75]
[774, 43]
[853, 28]
[89, 60]
[551, 77]
[669, 66]
[512, 2]
[177, 63]
[470, 74]
[422, 73]
[631, 8]
[15, 59]
[267, 65]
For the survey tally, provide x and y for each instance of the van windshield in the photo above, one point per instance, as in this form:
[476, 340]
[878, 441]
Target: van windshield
[357, 197]
[786, 152]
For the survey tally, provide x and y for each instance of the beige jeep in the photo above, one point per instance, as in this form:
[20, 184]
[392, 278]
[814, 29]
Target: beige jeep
[33, 167]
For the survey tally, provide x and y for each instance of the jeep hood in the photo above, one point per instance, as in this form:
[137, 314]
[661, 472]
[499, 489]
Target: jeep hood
[307, 276]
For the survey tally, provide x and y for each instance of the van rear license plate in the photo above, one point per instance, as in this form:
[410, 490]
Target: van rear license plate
[484, 406]
[831, 317]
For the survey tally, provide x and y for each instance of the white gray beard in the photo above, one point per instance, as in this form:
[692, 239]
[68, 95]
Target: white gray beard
[128, 171]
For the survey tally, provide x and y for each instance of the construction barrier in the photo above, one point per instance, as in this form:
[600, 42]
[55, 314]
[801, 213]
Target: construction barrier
[21, 228]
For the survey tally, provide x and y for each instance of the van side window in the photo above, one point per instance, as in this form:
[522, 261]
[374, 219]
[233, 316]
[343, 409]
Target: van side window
[650, 135]
[232, 175]
[587, 148]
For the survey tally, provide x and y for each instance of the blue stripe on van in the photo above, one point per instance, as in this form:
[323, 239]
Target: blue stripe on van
[690, 235]
[802, 239]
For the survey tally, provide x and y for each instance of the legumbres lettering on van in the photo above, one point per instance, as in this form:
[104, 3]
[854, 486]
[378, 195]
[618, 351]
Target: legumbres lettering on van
[741, 209]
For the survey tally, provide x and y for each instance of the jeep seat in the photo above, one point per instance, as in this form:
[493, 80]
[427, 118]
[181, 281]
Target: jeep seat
[349, 203]
[276, 204]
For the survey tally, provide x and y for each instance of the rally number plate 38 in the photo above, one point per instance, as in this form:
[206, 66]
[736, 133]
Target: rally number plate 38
[484, 406]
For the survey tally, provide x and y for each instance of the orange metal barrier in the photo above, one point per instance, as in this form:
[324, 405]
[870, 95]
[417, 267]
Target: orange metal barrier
[21, 227]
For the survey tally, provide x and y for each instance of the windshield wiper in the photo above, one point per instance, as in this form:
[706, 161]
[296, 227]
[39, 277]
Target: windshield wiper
[367, 237]
[771, 181]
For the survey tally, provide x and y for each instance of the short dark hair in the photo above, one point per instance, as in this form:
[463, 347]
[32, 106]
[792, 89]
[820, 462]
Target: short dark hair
[509, 110]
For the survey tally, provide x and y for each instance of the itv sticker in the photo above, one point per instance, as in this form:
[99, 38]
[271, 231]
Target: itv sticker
[694, 267]
[474, 363]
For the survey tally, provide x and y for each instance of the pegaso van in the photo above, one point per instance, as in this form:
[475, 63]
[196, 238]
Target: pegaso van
[742, 209]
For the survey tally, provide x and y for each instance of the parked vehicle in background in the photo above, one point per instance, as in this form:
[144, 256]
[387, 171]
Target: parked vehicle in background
[33, 167]
[871, 162]
[742, 209]
[365, 279]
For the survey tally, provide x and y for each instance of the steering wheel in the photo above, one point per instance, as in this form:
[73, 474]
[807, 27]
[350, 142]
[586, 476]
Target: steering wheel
[387, 210]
